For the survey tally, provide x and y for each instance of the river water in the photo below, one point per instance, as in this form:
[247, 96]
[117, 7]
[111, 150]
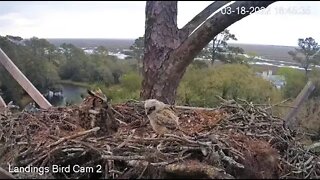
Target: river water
[71, 95]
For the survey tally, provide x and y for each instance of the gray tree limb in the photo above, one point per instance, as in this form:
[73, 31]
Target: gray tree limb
[202, 16]
[187, 51]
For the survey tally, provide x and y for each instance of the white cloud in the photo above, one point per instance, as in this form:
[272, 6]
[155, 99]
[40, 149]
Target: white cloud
[188, 9]
[275, 28]
[87, 23]
[16, 20]
[93, 24]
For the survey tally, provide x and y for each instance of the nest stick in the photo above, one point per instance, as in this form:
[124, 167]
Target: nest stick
[123, 158]
[74, 136]
[188, 140]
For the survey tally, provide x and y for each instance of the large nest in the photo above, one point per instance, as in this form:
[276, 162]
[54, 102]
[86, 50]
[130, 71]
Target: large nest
[236, 140]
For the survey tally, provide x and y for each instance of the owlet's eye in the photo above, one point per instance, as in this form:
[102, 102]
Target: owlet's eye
[97, 102]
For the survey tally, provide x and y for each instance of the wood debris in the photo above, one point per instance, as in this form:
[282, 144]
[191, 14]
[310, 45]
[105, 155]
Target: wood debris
[236, 140]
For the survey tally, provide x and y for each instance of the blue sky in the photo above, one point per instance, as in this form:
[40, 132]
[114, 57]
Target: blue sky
[123, 19]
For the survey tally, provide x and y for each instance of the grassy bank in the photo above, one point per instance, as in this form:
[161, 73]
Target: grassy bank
[73, 83]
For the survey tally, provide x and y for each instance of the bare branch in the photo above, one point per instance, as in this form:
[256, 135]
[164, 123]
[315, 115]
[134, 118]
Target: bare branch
[74, 136]
[2, 103]
[5, 174]
[187, 51]
[123, 158]
[202, 16]
[193, 108]
[290, 121]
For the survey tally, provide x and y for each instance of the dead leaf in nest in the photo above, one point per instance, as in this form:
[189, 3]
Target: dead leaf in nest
[260, 159]
[198, 121]
[199, 170]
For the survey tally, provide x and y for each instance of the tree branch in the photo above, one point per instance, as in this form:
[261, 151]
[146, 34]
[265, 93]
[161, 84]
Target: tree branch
[187, 51]
[202, 16]
[5, 174]
[81, 133]
[290, 121]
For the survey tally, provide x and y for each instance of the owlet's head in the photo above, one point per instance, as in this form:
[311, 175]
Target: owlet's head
[99, 99]
[153, 105]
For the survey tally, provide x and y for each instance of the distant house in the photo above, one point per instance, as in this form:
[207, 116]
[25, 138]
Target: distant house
[277, 80]
[127, 51]
[89, 50]
[119, 55]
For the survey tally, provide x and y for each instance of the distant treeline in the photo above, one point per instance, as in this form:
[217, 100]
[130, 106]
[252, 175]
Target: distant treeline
[274, 52]
[45, 64]
[110, 44]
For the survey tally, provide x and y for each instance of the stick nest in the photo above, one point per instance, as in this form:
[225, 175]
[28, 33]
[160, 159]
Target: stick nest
[236, 140]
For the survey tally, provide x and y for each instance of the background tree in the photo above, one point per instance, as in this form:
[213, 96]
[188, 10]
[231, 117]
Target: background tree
[232, 56]
[101, 51]
[48, 67]
[137, 47]
[169, 50]
[219, 43]
[138, 50]
[228, 81]
[306, 53]
[235, 50]
[220, 49]
[295, 81]
[205, 53]
[74, 67]
[31, 58]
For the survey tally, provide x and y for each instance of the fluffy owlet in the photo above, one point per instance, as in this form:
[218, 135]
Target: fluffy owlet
[162, 119]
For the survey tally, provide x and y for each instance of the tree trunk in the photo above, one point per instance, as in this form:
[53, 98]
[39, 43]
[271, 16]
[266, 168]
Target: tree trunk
[213, 56]
[169, 50]
[161, 37]
[307, 74]
[215, 45]
[306, 67]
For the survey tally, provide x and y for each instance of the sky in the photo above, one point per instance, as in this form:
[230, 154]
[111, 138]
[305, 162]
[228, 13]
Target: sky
[282, 23]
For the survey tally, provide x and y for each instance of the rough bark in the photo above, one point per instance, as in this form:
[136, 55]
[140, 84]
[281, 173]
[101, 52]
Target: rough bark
[169, 51]
[161, 38]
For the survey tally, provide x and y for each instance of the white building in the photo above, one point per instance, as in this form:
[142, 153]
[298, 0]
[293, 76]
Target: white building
[276, 80]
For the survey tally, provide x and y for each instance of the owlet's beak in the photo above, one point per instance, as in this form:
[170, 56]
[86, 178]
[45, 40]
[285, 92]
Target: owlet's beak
[105, 105]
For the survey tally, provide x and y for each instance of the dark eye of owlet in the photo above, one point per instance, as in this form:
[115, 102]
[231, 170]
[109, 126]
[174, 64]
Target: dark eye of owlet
[96, 102]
